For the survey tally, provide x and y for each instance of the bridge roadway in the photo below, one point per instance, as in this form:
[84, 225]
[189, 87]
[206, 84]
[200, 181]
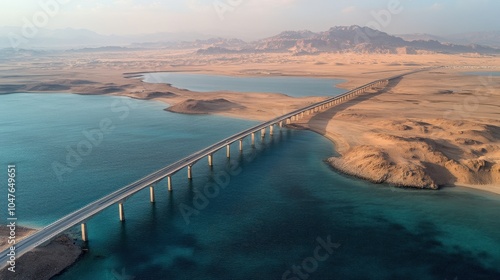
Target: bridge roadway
[86, 212]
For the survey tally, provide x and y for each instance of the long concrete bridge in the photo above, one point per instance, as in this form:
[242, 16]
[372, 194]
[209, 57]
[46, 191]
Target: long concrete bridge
[118, 197]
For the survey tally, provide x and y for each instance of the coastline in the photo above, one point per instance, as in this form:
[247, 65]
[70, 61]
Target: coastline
[371, 119]
[425, 126]
[43, 262]
[418, 146]
[490, 188]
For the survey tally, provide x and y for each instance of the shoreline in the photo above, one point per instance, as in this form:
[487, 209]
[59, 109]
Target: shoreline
[43, 262]
[354, 122]
[236, 105]
[495, 189]
[415, 133]
[420, 147]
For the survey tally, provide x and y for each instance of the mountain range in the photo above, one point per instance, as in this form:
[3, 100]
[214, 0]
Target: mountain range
[346, 39]
[336, 39]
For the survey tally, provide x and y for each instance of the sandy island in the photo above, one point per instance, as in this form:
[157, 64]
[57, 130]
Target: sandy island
[427, 130]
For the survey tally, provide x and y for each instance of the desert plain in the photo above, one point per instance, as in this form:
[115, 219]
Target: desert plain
[433, 129]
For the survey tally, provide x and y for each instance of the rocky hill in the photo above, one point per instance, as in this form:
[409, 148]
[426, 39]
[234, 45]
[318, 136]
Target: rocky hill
[342, 39]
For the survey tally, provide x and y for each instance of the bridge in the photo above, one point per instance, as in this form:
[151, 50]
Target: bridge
[118, 197]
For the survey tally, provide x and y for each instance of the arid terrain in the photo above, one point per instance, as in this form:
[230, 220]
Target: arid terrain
[427, 130]
[431, 129]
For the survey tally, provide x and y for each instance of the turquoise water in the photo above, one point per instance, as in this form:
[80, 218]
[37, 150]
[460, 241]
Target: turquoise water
[273, 204]
[292, 86]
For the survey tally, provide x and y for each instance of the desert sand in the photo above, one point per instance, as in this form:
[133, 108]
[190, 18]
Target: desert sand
[417, 134]
[431, 129]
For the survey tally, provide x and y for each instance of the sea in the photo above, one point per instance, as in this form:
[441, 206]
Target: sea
[274, 211]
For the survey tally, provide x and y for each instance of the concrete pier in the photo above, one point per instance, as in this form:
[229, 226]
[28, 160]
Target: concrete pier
[241, 145]
[253, 138]
[121, 212]
[152, 194]
[263, 133]
[228, 150]
[210, 160]
[169, 183]
[85, 236]
[190, 172]
[271, 130]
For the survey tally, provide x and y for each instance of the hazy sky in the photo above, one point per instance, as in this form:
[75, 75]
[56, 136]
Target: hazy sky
[250, 19]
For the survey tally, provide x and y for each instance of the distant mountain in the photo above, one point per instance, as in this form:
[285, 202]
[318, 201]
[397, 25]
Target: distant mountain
[222, 43]
[347, 38]
[421, 37]
[490, 39]
[81, 38]
[336, 39]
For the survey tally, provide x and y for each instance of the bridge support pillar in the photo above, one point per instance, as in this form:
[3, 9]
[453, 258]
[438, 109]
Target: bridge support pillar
[85, 236]
[241, 145]
[152, 194]
[210, 160]
[263, 133]
[190, 172]
[281, 124]
[169, 183]
[253, 138]
[271, 130]
[228, 150]
[121, 212]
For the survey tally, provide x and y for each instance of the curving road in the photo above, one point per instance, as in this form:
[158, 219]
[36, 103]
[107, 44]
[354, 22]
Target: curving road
[86, 212]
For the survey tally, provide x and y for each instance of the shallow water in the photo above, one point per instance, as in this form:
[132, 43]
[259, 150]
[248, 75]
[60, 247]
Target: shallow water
[266, 217]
